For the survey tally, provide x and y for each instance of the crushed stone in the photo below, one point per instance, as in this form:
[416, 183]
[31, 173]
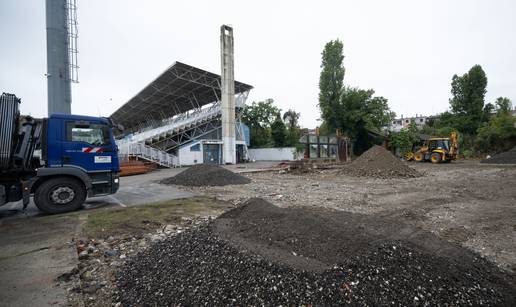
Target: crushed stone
[208, 265]
[206, 175]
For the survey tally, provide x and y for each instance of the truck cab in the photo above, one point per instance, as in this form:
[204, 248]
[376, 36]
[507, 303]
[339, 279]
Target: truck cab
[79, 159]
[60, 160]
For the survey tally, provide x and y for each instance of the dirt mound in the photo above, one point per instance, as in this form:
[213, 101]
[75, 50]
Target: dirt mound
[508, 157]
[259, 254]
[206, 175]
[379, 163]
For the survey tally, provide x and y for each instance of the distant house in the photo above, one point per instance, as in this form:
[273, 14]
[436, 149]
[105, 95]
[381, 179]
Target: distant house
[400, 123]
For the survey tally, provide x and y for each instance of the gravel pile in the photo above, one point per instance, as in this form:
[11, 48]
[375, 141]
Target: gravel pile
[206, 175]
[215, 264]
[378, 162]
[508, 157]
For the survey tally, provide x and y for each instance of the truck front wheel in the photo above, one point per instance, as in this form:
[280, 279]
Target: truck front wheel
[59, 195]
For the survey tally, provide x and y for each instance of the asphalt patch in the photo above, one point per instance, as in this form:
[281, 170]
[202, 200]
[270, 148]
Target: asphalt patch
[206, 175]
[245, 257]
[378, 162]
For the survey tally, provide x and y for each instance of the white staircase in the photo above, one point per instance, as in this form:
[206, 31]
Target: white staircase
[142, 151]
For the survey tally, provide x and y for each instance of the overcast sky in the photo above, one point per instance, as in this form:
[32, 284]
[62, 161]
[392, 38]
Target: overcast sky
[407, 51]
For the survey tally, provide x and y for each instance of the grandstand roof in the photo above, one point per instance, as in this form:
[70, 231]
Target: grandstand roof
[179, 89]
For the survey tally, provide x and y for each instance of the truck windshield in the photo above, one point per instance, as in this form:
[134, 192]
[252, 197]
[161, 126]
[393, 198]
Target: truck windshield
[95, 134]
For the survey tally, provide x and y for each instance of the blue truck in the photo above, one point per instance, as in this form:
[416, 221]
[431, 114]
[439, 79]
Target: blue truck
[60, 160]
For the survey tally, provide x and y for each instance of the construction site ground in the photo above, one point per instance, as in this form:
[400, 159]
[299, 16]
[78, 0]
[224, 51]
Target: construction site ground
[464, 202]
[35, 249]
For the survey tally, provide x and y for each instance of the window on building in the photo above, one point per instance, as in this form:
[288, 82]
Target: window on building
[196, 147]
[94, 134]
[332, 151]
[406, 121]
[421, 120]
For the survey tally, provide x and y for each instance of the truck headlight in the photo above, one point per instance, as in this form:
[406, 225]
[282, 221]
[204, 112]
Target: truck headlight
[115, 180]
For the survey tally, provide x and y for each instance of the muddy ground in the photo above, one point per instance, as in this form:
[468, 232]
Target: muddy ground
[468, 203]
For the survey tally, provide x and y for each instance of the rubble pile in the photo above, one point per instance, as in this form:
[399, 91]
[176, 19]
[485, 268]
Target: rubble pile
[508, 157]
[378, 162]
[259, 254]
[206, 175]
[302, 167]
[91, 283]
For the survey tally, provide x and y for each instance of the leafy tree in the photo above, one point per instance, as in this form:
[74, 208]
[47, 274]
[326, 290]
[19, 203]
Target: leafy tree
[354, 111]
[291, 119]
[467, 102]
[405, 139]
[363, 112]
[258, 117]
[488, 111]
[499, 134]
[278, 132]
[331, 83]
[503, 105]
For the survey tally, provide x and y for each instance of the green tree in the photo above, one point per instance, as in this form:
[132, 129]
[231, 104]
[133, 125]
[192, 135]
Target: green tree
[488, 111]
[503, 105]
[499, 134]
[291, 119]
[331, 83]
[405, 139]
[354, 111]
[278, 132]
[258, 117]
[467, 102]
[362, 112]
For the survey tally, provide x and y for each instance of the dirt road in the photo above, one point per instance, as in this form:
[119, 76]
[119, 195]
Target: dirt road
[468, 203]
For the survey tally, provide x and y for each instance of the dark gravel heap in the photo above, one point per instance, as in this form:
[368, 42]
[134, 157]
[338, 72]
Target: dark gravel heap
[206, 175]
[508, 157]
[204, 266]
[378, 162]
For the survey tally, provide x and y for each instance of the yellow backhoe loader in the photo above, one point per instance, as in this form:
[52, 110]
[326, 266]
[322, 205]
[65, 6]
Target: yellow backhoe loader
[437, 149]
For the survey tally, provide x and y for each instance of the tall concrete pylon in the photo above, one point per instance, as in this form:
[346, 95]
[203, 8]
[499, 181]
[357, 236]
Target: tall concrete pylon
[59, 85]
[227, 88]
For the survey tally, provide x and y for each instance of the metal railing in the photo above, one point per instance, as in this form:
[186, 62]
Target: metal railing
[182, 121]
[140, 150]
[176, 123]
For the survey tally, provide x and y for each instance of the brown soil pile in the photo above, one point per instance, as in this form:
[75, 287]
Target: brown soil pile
[377, 162]
[508, 157]
[206, 175]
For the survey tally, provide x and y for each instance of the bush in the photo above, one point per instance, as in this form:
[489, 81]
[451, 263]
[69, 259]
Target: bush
[497, 135]
[468, 153]
[404, 139]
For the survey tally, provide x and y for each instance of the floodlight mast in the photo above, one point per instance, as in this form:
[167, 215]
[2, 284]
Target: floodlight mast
[227, 89]
[61, 21]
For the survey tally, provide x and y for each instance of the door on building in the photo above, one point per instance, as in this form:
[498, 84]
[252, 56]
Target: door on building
[344, 149]
[211, 153]
[240, 153]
